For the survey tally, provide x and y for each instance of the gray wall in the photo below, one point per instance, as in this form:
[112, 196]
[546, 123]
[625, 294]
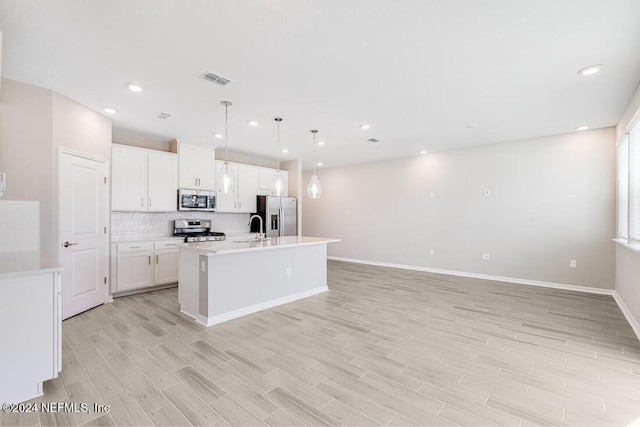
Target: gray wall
[552, 200]
[627, 261]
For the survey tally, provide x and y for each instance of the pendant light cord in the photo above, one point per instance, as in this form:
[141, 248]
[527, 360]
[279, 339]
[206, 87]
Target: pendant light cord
[314, 153]
[226, 134]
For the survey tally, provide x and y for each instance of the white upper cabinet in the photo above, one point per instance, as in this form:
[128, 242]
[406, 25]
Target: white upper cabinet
[162, 181]
[243, 198]
[248, 188]
[128, 178]
[265, 180]
[197, 168]
[143, 180]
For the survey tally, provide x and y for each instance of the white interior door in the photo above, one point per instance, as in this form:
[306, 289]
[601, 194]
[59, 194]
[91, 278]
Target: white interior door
[82, 217]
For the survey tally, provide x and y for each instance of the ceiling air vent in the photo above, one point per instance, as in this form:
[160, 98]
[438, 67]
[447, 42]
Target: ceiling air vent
[372, 140]
[214, 78]
[163, 116]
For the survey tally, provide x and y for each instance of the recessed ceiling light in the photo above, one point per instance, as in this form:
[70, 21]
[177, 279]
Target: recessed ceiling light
[109, 110]
[319, 164]
[472, 126]
[583, 127]
[162, 115]
[365, 126]
[590, 70]
[423, 151]
[321, 143]
[218, 135]
[134, 87]
[252, 123]
[284, 150]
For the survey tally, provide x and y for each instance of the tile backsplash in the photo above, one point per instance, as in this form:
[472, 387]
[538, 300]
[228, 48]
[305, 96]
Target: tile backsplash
[152, 225]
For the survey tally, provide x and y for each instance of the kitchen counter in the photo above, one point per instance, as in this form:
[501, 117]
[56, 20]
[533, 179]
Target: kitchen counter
[25, 263]
[223, 280]
[250, 245]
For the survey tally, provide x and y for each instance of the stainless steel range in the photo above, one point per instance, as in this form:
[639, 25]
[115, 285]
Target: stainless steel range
[196, 230]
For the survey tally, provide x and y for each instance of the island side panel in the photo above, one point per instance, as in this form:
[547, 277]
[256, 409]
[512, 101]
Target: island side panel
[247, 282]
[189, 282]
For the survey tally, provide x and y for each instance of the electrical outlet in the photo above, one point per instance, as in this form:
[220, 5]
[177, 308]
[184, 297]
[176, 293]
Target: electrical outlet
[573, 263]
[487, 192]
[432, 252]
[289, 271]
[486, 257]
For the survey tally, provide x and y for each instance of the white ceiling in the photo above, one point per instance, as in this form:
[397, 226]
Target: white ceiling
[420, 72]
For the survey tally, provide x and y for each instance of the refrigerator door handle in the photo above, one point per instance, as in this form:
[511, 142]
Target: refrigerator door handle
[282, 222]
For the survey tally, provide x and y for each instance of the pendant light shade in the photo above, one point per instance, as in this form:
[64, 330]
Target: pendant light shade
[279, 183]
[226, 177]
[314, 189]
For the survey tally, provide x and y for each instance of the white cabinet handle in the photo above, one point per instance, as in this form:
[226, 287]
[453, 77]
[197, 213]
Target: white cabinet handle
[156, 259]
[149, 201]
[149, 259]
[134, 247]
[141, 201]
[239, 205]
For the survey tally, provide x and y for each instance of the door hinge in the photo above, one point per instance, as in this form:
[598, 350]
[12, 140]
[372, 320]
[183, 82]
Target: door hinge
[105, 280]
[105, 230]
[105, 179]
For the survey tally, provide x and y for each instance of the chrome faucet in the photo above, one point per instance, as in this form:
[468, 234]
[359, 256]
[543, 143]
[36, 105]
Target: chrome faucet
[259, 233]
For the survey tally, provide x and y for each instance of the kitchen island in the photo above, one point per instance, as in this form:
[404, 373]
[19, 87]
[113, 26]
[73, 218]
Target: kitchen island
[220, 281]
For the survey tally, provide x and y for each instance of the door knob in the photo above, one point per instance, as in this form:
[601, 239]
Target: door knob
[67, 244]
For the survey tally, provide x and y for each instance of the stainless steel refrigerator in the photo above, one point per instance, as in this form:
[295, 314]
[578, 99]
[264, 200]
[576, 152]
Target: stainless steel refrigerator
[279, 215]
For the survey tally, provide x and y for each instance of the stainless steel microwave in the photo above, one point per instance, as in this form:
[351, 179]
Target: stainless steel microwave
[196, 200]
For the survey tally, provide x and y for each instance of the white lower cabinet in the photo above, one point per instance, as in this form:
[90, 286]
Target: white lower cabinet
[166, 266]
[139, 265]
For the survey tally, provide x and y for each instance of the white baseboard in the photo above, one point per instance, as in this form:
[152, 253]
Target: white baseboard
[635, 325]
[214, 320]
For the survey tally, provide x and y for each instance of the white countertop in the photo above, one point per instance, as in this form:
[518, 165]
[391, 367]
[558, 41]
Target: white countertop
[25, 263]
[235, 246]
[149, 239]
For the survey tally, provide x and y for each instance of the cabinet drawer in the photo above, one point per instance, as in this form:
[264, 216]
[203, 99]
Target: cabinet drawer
[167, 244]
[134, 247]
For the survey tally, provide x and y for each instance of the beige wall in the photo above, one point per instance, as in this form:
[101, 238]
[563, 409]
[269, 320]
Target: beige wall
[552, 200]
[126, 137]
[628, 262]
[26, 149]
[34, 124]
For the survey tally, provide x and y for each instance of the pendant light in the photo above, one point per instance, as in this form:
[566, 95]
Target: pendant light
[314, 189]
[279, 185]
[226, 177]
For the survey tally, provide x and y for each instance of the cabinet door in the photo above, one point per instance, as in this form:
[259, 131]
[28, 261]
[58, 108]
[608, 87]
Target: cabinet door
[227, 202]
[166, 267]
[247, 188]
[128, 178]
[196, 167]
[207, 169]
[265, 180]
[163, 182]
[134, 270]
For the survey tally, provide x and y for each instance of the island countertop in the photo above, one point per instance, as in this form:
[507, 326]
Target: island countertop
[250, 245]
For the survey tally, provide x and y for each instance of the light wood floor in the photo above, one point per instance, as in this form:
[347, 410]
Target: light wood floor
[383, 347]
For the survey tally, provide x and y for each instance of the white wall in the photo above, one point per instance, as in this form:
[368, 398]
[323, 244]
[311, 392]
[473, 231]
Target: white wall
[552, 200]
[628, 262]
